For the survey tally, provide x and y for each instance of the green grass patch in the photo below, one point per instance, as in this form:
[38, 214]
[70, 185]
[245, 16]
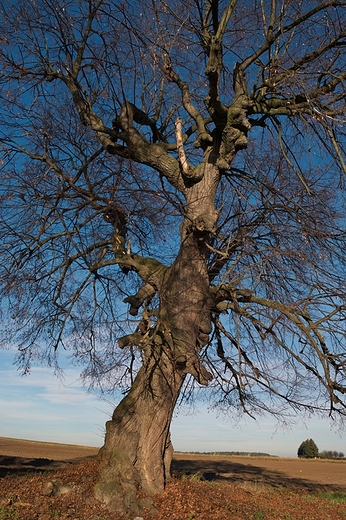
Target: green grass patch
[335, 498]
[8, 513]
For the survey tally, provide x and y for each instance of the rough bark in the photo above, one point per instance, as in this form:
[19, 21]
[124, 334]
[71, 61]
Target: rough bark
[137, 451]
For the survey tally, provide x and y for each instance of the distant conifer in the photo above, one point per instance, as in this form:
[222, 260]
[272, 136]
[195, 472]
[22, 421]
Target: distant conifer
[308, 449]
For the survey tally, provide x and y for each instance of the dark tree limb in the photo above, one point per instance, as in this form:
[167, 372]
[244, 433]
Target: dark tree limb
[136, 301]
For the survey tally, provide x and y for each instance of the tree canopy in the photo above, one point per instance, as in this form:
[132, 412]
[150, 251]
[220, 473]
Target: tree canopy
[172, 198]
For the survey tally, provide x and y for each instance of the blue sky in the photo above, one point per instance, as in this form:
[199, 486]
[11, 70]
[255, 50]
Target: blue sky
[41, 407]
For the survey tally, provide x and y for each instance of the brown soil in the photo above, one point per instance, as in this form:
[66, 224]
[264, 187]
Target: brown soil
[204, 487]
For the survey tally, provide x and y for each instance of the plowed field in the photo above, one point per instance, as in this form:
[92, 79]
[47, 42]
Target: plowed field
[204, 488]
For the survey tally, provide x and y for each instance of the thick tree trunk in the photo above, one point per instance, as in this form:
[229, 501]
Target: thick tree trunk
[137, 452]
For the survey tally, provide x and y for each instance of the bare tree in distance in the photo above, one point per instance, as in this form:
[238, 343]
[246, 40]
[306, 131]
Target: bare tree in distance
[172, 209]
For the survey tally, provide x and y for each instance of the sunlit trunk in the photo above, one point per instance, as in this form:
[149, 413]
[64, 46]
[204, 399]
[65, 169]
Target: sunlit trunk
[137, 452]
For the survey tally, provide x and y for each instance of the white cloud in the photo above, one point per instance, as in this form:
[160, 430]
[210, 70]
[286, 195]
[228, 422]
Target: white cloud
[41, 406]
[44, 384]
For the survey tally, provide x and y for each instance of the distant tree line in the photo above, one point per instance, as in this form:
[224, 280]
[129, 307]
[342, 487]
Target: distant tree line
[329, 454]
[309, 450]
[238, 453]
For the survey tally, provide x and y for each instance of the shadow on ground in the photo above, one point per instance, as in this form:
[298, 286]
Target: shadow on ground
[242, 473]
[210, 470]
[20, 465]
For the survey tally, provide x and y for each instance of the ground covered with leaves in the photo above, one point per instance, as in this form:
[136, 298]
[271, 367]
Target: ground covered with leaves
[188, 497]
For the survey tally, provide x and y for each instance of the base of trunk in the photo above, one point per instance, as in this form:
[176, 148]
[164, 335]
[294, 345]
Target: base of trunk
[137, 454]
[127, 483]
[119, 490]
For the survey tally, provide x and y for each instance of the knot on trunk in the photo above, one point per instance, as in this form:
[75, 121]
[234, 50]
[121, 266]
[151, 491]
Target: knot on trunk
[192, 365]
[204, 223]
[136, 301]
[130, 340]
[234, 134]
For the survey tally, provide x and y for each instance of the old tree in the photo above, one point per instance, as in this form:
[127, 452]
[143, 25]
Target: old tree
[186, 159]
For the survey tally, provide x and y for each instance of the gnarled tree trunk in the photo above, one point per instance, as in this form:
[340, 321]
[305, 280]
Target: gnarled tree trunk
[137, 451]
